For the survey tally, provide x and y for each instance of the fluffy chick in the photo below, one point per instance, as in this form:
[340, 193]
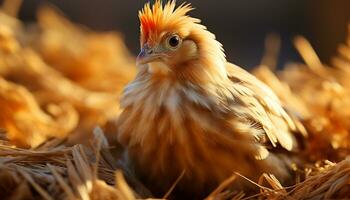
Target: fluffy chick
[189, 110]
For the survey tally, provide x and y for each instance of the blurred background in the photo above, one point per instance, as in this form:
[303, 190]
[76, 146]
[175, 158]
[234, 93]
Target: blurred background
[241, 25]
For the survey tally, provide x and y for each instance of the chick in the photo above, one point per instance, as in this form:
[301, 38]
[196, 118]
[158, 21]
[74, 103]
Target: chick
[190, 111]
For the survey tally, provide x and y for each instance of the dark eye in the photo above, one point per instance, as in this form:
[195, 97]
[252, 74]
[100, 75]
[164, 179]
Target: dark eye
[173, 41]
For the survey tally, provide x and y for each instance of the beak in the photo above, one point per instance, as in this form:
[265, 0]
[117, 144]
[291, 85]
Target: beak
[146, 55]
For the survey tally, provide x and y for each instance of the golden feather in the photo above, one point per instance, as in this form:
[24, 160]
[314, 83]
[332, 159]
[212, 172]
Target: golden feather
[205, 116]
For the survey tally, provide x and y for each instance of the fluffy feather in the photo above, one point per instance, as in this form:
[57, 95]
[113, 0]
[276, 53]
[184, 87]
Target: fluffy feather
[204, 116]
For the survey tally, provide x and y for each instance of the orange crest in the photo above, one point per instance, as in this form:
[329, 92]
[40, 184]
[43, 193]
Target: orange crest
[159, 18]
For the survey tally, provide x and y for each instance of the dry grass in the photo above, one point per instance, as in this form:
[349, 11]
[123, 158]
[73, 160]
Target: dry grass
[60, 81]
[54, 171]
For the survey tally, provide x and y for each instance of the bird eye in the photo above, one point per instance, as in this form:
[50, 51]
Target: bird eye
[173, 41]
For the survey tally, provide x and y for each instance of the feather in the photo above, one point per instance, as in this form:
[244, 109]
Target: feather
[191, 111]
[265, 107]
[156, 18]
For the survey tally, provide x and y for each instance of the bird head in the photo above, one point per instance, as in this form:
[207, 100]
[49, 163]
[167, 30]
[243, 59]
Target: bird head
[174, 41]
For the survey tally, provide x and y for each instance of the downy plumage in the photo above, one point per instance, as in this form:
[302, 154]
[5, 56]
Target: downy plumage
[189, 110]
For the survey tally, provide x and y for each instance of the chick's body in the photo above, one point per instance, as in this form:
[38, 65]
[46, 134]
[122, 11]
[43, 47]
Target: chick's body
[190, 111]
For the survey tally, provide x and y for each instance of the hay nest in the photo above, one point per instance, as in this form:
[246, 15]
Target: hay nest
[60, 82]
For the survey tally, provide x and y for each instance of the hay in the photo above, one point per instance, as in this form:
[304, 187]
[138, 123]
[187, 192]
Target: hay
[59, 82]
[66, 70]
[55, 171]
[319, 95]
